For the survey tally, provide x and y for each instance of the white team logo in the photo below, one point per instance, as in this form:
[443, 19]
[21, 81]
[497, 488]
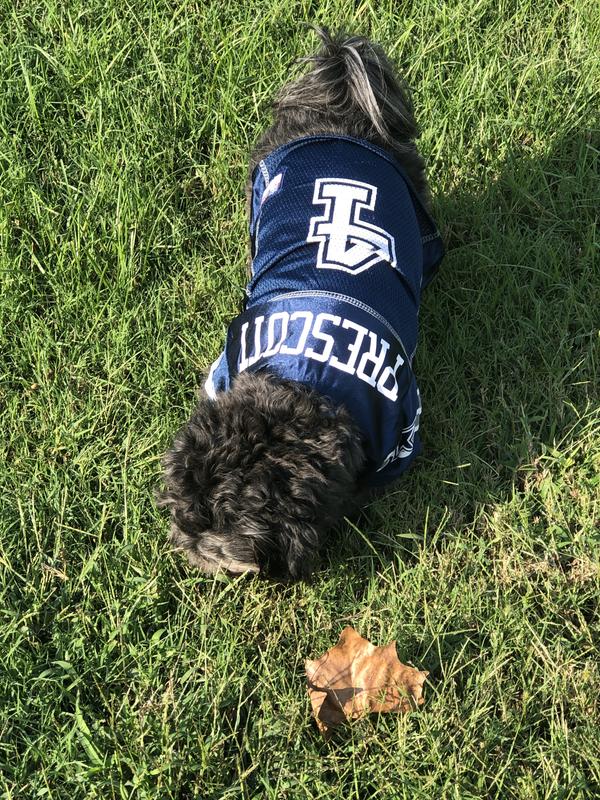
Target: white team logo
[407, 440]
[346, 241]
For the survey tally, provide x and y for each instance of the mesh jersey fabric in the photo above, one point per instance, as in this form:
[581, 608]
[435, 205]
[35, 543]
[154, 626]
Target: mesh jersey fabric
[341, 248]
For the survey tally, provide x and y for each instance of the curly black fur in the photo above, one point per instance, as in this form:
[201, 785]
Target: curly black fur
[258, 476]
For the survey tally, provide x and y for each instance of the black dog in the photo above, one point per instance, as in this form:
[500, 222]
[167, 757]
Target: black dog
[313, 401]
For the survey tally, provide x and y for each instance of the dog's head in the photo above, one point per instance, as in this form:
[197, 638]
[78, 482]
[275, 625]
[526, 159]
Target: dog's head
[258, 476]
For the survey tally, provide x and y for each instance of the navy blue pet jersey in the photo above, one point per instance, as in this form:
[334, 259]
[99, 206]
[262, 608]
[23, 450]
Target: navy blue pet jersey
[341, 248]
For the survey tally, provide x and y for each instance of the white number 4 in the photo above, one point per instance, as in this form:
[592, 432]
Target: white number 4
[346, 242]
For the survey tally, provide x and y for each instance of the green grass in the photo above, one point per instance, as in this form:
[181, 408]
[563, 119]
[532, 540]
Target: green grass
[124, 135]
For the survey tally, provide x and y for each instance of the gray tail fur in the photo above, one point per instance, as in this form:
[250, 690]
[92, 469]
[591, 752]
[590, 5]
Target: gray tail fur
[352, 75]
[351, 89]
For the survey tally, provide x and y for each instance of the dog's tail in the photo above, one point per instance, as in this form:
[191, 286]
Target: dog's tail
[353, 89]
[353, 79]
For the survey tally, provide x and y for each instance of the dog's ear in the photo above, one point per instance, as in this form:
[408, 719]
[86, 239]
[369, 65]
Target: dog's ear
[351, 452]
[193, 466]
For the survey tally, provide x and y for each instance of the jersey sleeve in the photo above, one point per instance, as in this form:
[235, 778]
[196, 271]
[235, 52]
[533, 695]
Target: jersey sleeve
[218, 377]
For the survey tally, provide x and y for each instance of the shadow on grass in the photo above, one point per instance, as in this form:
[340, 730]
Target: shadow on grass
[507, 357]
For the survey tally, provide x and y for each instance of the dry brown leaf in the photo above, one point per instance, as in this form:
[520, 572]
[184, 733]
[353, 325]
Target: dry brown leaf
[356, 678]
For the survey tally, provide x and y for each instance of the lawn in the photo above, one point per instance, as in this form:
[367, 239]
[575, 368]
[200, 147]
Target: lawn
[124, 134]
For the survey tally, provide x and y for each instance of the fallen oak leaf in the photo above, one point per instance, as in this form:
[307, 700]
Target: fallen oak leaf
[355, 678]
